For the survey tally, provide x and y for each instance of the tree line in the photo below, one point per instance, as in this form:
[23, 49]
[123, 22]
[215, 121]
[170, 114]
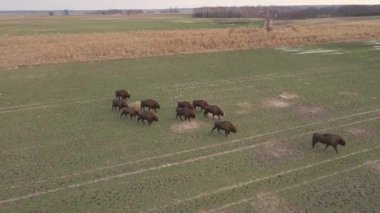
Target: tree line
[287, 12]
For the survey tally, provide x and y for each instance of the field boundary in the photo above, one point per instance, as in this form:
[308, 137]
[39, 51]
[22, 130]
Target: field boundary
[303, 183]
[168, 165]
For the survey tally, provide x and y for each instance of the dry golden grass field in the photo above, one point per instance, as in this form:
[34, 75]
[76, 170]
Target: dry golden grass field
[73, 47]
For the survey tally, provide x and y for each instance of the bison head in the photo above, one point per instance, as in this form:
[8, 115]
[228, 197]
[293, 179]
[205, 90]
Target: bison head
[342, 142]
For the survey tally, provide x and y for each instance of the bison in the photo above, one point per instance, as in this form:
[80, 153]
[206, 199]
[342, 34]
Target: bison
[122, 94]
[329, 140]
[119, 104]
[186, 112]
[131, 111]
[148, 116]
[214, 110]
[200, 103]
[184, 104]
[224, 125]
[150, 104]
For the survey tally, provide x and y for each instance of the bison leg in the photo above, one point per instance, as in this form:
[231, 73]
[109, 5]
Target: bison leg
[121, 115]
[213, 129]
[155, 109]
[327, 145]
[336, 149]
[227, 132]
[314, 142]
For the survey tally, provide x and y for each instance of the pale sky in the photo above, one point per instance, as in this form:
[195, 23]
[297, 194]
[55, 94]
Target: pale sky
[155, 4]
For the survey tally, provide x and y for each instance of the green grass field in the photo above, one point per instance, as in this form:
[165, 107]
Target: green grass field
[37, 25]
[64, 149]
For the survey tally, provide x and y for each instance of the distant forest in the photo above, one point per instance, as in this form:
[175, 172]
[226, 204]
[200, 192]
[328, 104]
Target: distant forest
[287, 12]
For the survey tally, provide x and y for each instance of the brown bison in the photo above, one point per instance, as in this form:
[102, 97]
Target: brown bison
[224, 125]
[329, 140]
[184, 104]
[214, 110]
[119, 104]
[186, 112]
[131, 111]
[148, 116]
[200, 103]
[150, 104]
[122, 94]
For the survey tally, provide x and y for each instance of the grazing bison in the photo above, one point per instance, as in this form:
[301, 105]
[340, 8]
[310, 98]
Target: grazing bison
[186, 112]
[224, 125]
[150, 104]
[184, 104]
[119, 104]
[329, 140]
[214, 110]
[131, 111]
[148, 116]
[200, 103]
[122, 94]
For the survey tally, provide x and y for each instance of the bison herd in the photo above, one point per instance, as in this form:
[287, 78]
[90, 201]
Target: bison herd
[186, 111]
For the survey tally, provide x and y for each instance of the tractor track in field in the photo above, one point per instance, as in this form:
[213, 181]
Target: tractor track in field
[231, 142]
[184, 162]
[255, 180]
[303, 183]
[201, 148]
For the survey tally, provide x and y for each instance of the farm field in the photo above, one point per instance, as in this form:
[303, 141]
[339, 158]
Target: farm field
[64, 148]
[45, 25]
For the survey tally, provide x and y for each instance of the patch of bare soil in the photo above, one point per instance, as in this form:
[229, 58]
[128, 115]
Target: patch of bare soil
[357, 132]
[374, 166]
[274, 152]
[352, 94]
[276, 103]
[242, 112]
[135, 104]
[186, 127]
[244, 108]
[288, 96]
[270, 203]
[310, 110]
